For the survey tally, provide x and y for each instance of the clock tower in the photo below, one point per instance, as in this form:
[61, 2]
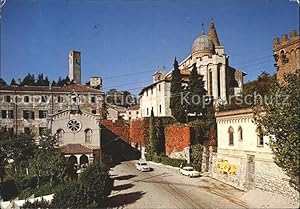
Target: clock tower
[75, 66]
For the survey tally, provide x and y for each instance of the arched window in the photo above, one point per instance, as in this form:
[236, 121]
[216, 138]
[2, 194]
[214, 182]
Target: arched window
[260, 136]
[60, 135]
[88, 135]
[230, 135]
[240, 131]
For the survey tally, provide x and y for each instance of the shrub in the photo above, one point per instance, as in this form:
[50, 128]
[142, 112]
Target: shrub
[91, 190]
[173, 162]
[36, 204]
[166, 160]
[9, 189]
[157, 158]
[29, 182]
[196, 156]
[148, 157]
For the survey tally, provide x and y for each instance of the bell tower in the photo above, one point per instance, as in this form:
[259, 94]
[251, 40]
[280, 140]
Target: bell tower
[75, 66]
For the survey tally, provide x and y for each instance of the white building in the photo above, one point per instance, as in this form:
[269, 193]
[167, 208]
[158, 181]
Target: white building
[244, 158]
[221, 79]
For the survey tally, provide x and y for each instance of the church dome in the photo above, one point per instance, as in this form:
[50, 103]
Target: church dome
[202, 46]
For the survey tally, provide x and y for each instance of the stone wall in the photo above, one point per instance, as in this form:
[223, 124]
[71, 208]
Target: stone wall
[269, 177]
[264, 175]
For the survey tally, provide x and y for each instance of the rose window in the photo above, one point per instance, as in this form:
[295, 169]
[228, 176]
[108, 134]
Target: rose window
[74, 125]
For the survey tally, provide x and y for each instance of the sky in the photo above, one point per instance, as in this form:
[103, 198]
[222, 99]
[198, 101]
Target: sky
[124, 42]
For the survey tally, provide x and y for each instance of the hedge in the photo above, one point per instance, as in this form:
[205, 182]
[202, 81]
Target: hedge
[166, 160]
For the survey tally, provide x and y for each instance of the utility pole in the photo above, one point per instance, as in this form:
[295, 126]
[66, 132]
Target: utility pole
[2, 2]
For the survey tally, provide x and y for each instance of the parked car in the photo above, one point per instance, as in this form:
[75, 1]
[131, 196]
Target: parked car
[142, 166]
[189, 171]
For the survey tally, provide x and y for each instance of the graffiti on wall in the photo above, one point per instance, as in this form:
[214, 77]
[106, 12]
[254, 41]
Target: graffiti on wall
[224, 167]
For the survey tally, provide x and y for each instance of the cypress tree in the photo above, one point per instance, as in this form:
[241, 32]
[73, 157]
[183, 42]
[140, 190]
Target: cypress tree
[176, 104]
[197, 92]
[13, 82]
[153, 139]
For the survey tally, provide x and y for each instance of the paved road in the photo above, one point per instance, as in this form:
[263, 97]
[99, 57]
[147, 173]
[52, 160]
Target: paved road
[165, 187]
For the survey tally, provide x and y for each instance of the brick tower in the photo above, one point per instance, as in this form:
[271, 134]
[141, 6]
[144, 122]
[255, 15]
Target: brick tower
[75, 66]
[287, 54]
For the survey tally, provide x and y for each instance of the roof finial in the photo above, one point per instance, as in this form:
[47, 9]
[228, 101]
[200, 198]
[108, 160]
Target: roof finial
[212, 20]
[203, 29]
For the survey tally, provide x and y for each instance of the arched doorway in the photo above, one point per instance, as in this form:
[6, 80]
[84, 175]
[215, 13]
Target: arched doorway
[72, 160]
[71, 167]
[83, 160]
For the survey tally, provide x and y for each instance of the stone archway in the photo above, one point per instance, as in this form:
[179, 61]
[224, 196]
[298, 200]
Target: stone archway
[83, 160]
[72, 159]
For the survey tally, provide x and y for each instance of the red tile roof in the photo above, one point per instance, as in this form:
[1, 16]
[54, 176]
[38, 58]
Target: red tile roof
[68, 88]
[75, 149]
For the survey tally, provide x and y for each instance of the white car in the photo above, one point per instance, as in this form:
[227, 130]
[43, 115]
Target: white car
[142, 166]
[189, 171]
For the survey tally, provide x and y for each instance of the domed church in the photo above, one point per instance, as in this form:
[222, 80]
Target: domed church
[221, 80]
[208, 54]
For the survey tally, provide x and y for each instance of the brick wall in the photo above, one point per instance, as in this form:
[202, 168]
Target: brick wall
[119, 128]
[139, 132]
[177, 139]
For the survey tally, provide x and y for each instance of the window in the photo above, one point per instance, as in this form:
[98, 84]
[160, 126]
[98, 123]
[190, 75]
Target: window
[240, 130]
[129, 113]
[129, 118]
[6, 98]
[42, 131]
[44, 99]
[27, 130]
[147, 92]
[159, 108]
[230, 135]
[88, 135]
[93, 99]
[158, 87]
[60, 99]
[43, 113]
[147, 111]
[60, 135]
[7, 114]
[28, 114]
[151, 91]
[210, 87]
[137, 112]
[260, 137]
[94, 111]
[26, 99]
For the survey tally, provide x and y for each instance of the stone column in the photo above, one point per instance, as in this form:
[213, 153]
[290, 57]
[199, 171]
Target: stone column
[215, 81]
[223, 82]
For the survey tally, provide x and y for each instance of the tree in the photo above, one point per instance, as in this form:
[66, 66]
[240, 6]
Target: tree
[13, 82]
[20, 148]
[29, 80]
[281, 118]
[261, 85]
[197, 93]
[153, 137]
[91, 190]
[2, 82]
[176, 104]
[196, 156]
